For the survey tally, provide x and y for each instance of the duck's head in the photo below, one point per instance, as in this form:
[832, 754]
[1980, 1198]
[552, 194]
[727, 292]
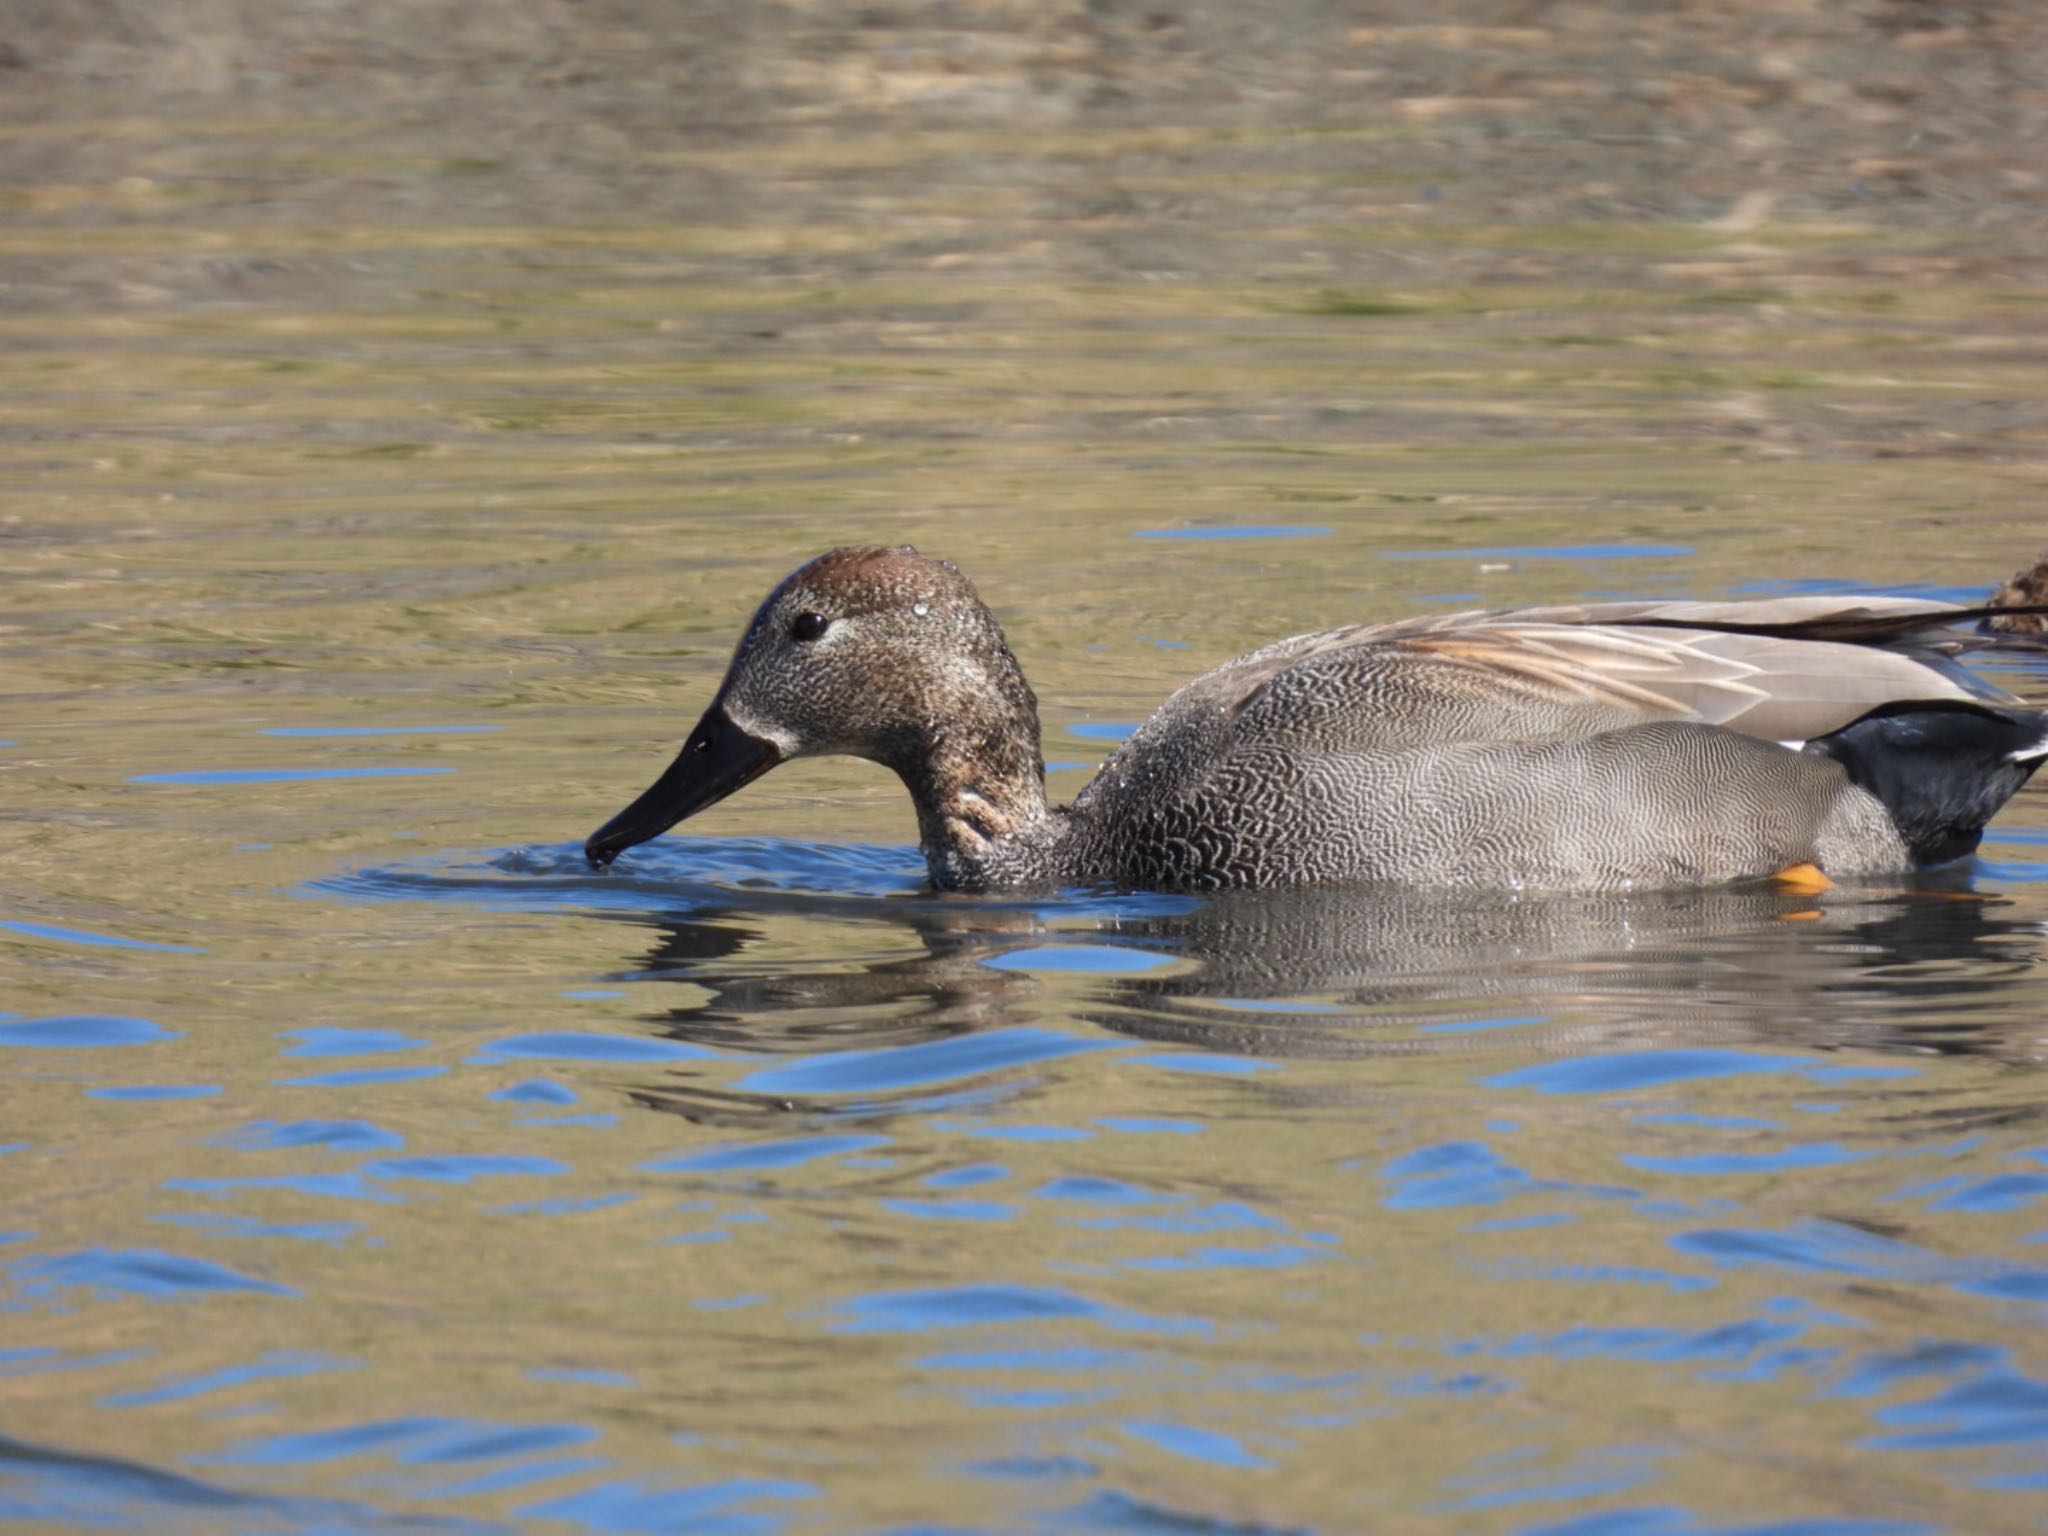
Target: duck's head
[873, 652]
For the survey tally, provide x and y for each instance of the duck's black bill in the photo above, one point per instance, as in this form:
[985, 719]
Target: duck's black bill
[718, 759]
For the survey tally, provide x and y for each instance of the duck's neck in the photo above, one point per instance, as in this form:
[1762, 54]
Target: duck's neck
[977, 777]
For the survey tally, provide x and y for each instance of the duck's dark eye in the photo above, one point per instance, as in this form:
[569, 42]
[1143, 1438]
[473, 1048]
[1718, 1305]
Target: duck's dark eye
[808, 626]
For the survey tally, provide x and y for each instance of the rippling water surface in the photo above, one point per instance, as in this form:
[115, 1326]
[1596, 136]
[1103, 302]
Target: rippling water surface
[372, 1165]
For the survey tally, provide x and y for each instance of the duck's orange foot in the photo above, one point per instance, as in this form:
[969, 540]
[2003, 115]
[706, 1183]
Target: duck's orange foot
[1804, 880]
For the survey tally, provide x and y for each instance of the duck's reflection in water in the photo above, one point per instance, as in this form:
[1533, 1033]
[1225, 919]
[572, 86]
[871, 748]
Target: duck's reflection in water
[1936, 967]
[915, 972]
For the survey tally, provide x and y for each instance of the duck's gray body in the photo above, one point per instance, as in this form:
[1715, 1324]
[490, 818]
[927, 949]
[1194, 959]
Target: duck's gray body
[1593, 748]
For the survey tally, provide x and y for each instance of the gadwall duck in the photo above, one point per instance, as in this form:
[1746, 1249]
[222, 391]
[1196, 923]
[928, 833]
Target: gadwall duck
[1602, 747]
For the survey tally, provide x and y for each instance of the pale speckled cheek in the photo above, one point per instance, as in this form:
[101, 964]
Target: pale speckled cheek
[761, 730]
[963, 676]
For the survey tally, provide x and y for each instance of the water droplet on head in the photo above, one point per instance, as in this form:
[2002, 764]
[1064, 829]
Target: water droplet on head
[922, 609]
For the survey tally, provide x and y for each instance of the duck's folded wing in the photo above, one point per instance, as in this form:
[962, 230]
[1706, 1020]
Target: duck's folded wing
[1520, 677]
[1776, 686]
[1811, 615]
[1920, 626]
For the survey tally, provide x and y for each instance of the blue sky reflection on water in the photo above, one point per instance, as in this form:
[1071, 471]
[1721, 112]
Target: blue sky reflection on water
[1700, 1284]
[1089, 1290]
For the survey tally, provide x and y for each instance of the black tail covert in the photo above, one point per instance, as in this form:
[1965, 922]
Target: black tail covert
[1942, 770]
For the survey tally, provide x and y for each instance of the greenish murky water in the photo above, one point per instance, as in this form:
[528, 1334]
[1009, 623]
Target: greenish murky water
[380, 505]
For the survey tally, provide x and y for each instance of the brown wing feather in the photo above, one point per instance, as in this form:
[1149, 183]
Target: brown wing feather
[1783, 613]
[1765, 685]
[1759, 668]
